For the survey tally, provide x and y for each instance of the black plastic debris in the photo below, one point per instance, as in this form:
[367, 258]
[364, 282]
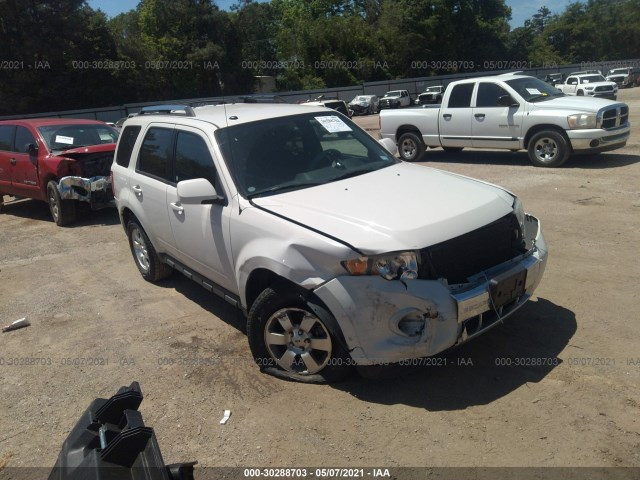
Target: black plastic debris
[111, 442]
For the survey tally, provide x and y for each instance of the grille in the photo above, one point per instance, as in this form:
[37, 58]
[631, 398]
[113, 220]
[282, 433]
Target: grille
[615, 117]
[466, 255]
[604, 89]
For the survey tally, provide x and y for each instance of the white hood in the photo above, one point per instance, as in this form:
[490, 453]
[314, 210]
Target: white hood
[402, 207]
[578, 104]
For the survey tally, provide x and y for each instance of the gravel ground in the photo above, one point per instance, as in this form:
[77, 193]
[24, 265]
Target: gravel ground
[556, 385]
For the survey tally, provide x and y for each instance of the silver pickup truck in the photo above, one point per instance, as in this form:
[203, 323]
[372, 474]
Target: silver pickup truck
[512, 112]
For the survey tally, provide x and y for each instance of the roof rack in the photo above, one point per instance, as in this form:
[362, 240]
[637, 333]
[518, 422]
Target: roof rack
[238, 99]
[184, 110]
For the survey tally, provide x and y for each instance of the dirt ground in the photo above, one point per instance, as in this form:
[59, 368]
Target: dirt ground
[556, 385]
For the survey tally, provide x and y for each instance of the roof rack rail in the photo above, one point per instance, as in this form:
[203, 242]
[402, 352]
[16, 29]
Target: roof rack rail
[185, 110]
[238, 99]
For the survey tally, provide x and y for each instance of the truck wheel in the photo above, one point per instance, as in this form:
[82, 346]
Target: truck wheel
[410, 147]
[289, 341]
[580, 93]
[62, 211]
[548, 149]
[149, 264]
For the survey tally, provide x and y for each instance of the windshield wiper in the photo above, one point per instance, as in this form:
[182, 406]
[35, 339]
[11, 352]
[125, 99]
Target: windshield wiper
[354, 173]
[284, 188]
[546, 97]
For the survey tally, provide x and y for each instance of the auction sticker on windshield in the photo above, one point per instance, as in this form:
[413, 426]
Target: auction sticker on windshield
[63, 139]
[333, 124]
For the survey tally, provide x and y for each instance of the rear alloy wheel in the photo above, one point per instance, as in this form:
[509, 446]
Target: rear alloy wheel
[288, 340]
[410, 147]
[149, 264]
[548, 149]
[63, 212]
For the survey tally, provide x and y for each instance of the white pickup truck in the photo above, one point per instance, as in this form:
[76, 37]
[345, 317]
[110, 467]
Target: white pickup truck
[592, 85]
[511, 112]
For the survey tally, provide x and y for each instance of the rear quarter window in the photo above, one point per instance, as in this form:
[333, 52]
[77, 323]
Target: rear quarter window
[6, 137]
[128, 139]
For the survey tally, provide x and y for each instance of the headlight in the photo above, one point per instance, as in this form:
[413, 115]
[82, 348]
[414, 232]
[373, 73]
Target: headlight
[390, 266]
[582, 120]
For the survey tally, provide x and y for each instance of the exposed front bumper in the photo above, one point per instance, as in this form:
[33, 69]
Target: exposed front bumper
[388, 321]
[95, 190]
[598, 140]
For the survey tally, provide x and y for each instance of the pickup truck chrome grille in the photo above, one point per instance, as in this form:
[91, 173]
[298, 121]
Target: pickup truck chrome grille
[604, 88]
[613, 117]
[466, 255]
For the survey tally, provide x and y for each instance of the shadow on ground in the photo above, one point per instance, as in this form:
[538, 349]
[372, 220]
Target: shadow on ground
[523, 350]
[37, 210]
[520, 158]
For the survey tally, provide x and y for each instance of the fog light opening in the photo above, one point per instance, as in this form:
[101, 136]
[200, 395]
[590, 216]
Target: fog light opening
[594, 143]
[412, 325]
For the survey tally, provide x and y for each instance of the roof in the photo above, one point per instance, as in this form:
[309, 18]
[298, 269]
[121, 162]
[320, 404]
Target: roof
[43, 122]
[226, 114]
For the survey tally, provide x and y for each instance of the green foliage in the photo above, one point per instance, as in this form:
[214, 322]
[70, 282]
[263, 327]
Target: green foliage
[171, 49]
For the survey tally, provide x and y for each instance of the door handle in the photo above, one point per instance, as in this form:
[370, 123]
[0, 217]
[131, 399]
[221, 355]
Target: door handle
[479, 116]
[137, 189]
[13, 161]
[446, 116]
[177, 208]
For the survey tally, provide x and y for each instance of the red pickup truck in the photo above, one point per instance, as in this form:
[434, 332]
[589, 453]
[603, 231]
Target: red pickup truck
[59, 161]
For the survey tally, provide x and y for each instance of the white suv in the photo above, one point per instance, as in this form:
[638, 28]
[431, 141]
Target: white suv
[340, 254]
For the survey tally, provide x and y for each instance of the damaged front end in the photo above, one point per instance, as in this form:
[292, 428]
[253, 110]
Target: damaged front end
[96, 191]
[457, 290]
[85, 175]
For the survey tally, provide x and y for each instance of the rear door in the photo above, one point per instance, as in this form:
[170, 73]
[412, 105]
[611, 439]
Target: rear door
[149, 185]
[455, 117]
[492, 125]
[201, 232]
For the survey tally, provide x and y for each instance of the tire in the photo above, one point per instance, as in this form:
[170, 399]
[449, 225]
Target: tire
[452, 149]
[410, 147]
[288, 340]
[63, 212]
[548, 149]
[580, 93]
[149, 264]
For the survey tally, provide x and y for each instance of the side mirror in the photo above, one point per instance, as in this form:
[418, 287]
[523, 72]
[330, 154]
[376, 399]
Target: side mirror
[198, 191]
[389, 145]
[507, 101]
[31, 149]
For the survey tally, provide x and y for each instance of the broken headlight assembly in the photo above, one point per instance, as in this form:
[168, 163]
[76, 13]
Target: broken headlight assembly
[390, 266]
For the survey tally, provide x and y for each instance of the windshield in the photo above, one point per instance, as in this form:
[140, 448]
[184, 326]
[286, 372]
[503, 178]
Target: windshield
[289, 153]
[618, 71]
[66, 137]
[432, 89]
[361, 99]
[395, 93]
[533, 89]
[592, 79]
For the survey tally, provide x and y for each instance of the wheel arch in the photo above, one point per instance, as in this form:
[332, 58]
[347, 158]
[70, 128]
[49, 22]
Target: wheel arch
[262, 278]
[542, 127]
[407, 128]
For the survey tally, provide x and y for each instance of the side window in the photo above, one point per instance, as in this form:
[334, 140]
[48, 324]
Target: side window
[128, 139]
[156, 152]
[488, 94]
[193, 159]
[24, 138]
[6, 137]
[461, 95]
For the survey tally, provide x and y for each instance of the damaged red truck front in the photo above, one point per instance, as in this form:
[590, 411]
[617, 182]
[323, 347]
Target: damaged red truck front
[59, 161]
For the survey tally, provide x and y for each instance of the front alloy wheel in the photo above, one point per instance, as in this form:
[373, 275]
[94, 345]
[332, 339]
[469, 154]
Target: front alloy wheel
[290, 338]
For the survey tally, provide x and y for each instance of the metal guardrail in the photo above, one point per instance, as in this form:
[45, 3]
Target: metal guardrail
[379, 88]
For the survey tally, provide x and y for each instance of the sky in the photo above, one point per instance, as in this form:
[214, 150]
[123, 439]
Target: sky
[521, 10]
